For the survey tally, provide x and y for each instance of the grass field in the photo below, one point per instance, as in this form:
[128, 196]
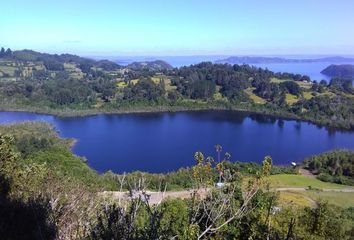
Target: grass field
[292, 197]
[307, 95]
[168, 85]
[155, 79]
[8, 70]
[341, 199]
[348, 95]
[291, 99]
[167, 81]
[74, 72]
[305, 85]
[218, 96]
[309, 197]
[122, 84]
[254, 97]
[289, 180]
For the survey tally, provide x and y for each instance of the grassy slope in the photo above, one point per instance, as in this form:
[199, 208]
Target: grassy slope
[291, 99]
[288, 180]
[8, 70]
[305, 85]
[58, 156]
[310, 197]
[254, 97]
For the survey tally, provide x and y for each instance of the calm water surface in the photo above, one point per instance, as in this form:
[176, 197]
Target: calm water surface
[161, 142]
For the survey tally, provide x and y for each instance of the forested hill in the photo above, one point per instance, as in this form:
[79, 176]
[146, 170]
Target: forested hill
[157, 65]
[255, 60]
[70, 85]
[55, 62]
[344, 70]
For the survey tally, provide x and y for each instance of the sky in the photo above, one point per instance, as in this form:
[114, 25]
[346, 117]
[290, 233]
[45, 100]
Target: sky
[183, 27]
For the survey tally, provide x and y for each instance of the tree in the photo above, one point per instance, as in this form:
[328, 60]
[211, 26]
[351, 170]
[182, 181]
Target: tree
[323, 221]
[202, 89]
[172, 96]
[342, 84]
[8, 52]
[291, 87]
[20, 219]
[144, 90]
[2, 52]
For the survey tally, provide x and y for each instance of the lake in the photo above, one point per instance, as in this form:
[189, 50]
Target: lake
[162, 142]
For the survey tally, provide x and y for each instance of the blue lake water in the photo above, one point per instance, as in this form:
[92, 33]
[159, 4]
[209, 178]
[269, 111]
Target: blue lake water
[162, 142]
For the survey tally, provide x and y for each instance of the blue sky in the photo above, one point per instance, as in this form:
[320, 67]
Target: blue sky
[184, 27]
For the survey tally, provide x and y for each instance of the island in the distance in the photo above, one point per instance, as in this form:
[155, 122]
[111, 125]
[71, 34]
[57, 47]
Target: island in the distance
[343, 70]
[262, 60]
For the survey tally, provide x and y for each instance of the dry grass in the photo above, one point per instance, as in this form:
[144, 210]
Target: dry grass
[291, 99]
[155, 79]
[8, 70]
[290, 198]
[254, 97]
[308, 95]
[341, 199]
[305, 85]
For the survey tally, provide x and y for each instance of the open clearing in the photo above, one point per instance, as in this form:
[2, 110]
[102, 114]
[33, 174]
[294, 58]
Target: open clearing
[302, 84]
[155, 79]
[292, 180]
[254, 97]
[291, 99]
[8, 70]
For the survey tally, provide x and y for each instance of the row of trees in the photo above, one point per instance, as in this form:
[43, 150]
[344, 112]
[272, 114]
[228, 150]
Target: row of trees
[336, 166]
[5, 53]
[144, 90]
[196, 80]
[342, 84]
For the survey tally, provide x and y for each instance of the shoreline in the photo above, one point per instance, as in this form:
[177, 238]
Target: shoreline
[69, 113]
[72, 113]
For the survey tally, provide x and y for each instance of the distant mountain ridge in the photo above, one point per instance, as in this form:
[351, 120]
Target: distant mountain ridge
[343, 70]
[260, 60]
[56, 61]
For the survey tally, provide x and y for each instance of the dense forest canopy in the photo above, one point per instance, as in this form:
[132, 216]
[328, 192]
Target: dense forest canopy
[337, 166]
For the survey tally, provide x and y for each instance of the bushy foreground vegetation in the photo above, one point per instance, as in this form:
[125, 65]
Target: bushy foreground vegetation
[336, 166]
[48, 193]
[70, 85]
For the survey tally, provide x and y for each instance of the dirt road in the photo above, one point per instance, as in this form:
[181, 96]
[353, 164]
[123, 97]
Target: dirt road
[158, 197]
